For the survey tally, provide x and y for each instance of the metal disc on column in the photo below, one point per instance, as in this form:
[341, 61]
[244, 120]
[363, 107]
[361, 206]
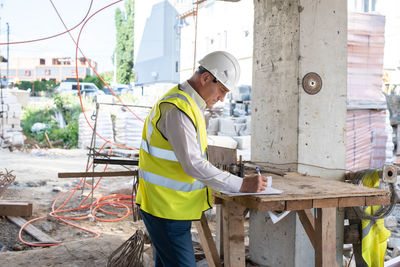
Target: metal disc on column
[312, 83]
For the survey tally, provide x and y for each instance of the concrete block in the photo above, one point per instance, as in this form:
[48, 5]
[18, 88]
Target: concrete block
[395, 252]
[226, 126]
[213, 125]
[244, 142]
[390, 222]
[394, 240]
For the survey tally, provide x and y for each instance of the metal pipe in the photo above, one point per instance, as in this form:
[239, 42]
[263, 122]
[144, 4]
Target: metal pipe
[8, 51]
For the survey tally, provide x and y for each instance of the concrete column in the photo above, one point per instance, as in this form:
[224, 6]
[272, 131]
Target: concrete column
[292, 129]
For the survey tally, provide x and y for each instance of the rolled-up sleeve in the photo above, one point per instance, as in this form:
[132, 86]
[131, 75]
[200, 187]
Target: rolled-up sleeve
[178, 128]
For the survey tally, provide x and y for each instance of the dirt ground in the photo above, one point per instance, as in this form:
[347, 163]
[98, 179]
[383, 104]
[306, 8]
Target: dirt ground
[36, 181]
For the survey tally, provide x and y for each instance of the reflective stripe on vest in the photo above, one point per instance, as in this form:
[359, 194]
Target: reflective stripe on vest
[170, 183]
[158, 152]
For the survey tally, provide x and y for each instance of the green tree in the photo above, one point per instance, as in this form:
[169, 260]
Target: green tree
[107, 76]
[94, 79]
[25, 85]
[124, 22]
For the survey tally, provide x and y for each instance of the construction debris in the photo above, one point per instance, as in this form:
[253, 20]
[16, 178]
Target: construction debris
[5, 180]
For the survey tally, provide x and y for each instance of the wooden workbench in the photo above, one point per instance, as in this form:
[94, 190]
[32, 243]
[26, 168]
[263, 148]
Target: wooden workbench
[300, 193]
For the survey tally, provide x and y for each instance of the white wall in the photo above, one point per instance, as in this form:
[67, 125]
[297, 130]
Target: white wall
[221, 26]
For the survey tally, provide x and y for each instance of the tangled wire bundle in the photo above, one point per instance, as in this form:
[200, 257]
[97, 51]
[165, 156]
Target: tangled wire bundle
[356, 178]
[130, 253]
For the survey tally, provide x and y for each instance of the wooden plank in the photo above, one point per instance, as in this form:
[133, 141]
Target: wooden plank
[296, 186]
[216, 200]
[96, 174]
[11, 208]
[378, 200]
[133, 162]
[351, 201]
[308, 224]
[219, 231]
[33, 231]
[299, 204]
[207, 242]
[221, 155]
[325, 203]
[325, 237]
[323, 192]
[351, 234]
[48, 140]
[233, 233]
[255, 203]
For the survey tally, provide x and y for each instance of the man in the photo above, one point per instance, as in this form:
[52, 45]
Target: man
[174, 174]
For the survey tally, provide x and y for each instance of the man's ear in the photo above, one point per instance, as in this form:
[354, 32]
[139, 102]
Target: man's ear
[204, 77]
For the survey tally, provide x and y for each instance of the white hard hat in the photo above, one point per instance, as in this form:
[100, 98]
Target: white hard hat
[222, 66]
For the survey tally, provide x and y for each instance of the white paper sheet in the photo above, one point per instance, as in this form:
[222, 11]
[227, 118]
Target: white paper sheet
[268, 191]
[277, 217]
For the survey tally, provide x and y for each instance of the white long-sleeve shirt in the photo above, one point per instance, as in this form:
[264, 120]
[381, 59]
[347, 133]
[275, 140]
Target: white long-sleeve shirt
[179, 130]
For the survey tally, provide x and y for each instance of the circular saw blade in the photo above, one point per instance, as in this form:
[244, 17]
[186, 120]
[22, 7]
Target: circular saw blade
[312, 83]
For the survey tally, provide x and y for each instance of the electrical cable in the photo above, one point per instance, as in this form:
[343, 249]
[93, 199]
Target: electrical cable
[115, 200]
[384, 210]
[52, 36]
[77, 75]
[304, 164]
[195, 35]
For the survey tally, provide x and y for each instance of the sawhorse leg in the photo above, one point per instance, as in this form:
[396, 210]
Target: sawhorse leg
[207, 242]
[233, 234]
[321, 231]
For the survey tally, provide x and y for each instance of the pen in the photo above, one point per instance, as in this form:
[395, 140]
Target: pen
[258, 170]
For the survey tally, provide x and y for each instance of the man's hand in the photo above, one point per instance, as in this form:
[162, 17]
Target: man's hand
[254, 183]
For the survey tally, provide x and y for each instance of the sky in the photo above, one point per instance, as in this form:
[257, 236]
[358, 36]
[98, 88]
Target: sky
[33, 19]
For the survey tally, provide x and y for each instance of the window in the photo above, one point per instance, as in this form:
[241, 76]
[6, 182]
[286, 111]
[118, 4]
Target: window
[56, 61]
[42, 61]
[89, 86]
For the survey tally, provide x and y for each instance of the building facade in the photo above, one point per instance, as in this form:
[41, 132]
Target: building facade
[45, 69]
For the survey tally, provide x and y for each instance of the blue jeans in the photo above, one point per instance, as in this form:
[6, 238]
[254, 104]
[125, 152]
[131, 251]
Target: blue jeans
[172, 241]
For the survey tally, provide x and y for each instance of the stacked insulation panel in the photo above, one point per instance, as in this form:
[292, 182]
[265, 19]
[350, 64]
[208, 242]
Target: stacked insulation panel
[365, 139]
[10, 128]
[104, 129]
[129, 128]
[366, 132]
[366, 43]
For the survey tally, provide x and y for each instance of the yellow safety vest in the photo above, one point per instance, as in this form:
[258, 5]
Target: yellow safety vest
[165, 190]
[374, 233]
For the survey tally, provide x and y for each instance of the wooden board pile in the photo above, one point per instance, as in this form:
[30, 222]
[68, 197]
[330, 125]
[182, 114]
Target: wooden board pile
[367, 130]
